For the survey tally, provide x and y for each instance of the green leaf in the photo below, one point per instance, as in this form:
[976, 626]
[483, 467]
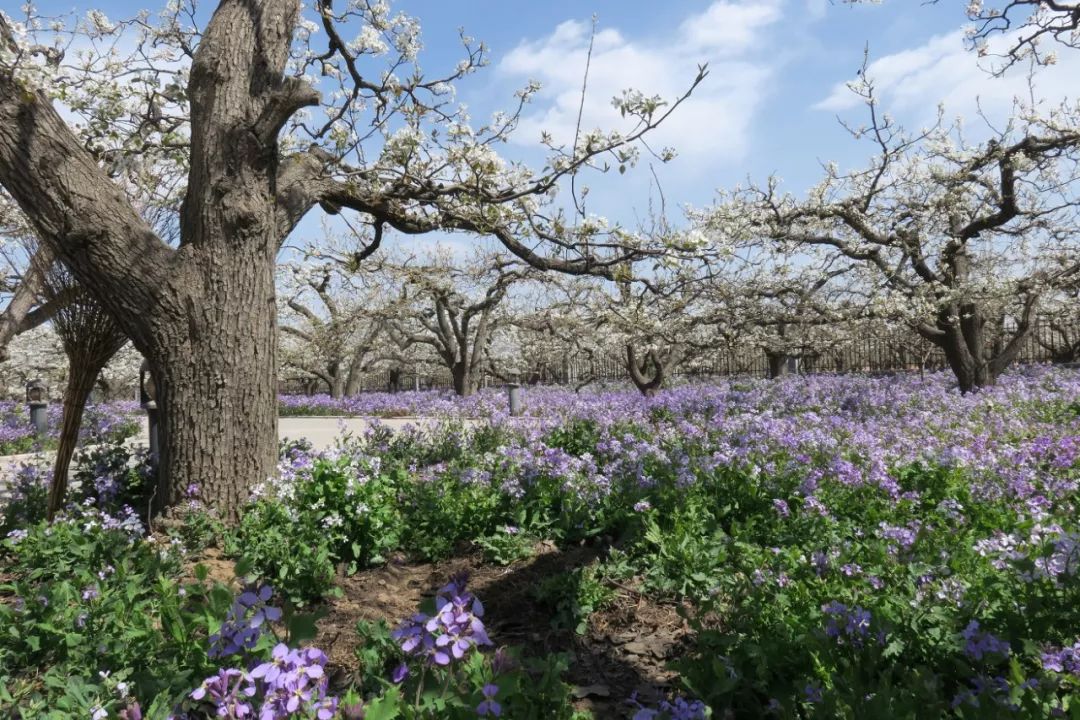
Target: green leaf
[244, 566]
[385, 707]
[302, 627]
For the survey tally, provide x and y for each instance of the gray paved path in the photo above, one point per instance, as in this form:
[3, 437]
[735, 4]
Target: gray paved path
[321, 431]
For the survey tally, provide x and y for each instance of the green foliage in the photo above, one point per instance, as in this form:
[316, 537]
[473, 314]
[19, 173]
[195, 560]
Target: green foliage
[86, 608]
[293, 555]
[575, 437]
[575, 595]
[355, 511]
[527, 688]
[507, 545]
[113, 476]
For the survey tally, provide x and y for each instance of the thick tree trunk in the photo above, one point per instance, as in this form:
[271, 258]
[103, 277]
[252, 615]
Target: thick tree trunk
[204, 312]
[217, 377]
[970, 365]
[646, 385]
[356, 375]
[337, 384]
[464, 382]
[966, 349]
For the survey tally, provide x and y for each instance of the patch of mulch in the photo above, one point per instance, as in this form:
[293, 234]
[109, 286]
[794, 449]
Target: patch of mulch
[624, 650]
[221, 569]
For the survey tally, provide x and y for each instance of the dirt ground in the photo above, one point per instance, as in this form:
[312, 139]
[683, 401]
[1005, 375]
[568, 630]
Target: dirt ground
[624, 650]
[625, 647]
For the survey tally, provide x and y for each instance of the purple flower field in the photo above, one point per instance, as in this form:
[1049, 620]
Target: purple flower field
[115, 420]
[838, 547]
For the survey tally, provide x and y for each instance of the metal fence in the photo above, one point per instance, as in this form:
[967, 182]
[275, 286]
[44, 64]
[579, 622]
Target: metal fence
[1050, 340]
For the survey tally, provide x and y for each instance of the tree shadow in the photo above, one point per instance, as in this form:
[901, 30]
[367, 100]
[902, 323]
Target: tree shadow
[623, 649]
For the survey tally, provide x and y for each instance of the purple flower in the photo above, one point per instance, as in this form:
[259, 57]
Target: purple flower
[489, 706]
[229, 692]
[131, 712]
[455, 628]
[243, 623]
[400, 673]
[979, 643]
[678, 708]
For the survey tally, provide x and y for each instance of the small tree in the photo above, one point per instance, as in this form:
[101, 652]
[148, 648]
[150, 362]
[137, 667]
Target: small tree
[456, 310]
[330, 326]
[90, 339]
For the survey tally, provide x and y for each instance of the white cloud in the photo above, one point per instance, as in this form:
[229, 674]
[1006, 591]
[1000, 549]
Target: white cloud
[911, 83]
[712, 126]
[728, 28]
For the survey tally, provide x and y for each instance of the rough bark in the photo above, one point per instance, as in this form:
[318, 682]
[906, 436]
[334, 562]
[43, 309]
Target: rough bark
[217, 380]
[204, 313]
[960, 333]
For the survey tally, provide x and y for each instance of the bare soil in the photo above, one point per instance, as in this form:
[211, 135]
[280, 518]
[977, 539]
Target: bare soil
[624, 650]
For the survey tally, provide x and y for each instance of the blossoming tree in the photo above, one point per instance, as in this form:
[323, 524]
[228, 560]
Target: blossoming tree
[457, 308]
[960, 239]
[236, 130]
[331, 324]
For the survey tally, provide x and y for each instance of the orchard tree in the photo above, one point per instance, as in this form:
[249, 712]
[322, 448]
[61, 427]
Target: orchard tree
[962, 240]
[562, 326]
[456, 307]
[330, 324]
[793, 315]
[660, 325]
[236, 130]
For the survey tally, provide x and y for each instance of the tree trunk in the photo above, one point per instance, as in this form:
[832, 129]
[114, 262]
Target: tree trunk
[204, 312]
[778, 364]
[394, 381]
[967, 354]
[645, 384]
[971, 373]
[217, 378]
[337, 384]
[356, 374]
[79, 386]
[464, 384]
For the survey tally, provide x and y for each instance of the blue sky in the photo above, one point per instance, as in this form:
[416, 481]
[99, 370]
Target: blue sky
[772, 101]
[770, 104]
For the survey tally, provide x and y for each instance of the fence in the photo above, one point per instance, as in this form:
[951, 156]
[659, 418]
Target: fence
[1050, 340]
